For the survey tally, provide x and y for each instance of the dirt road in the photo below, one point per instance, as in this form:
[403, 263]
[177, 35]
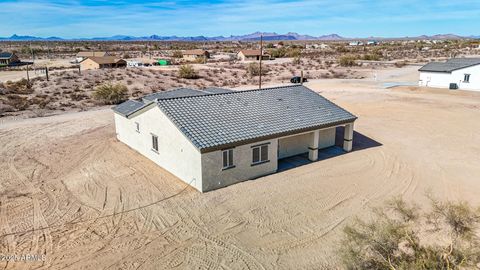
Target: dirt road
[71, 191]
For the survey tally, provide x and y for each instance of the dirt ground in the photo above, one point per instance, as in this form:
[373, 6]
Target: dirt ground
[70, 191]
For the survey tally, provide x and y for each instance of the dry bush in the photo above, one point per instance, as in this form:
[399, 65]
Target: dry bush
[347, 61]
[395, 238]
[400, 64]
[111, 93]
[187, 72]
[253, 69]
[22, 87]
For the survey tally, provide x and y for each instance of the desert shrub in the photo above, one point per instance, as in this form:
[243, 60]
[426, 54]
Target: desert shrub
[254, 69]
[187, 72]
[400, 64]
[111, 93]
[372, 57]
[177, 54]
[18, 87]
[347, 61]
[396, 238]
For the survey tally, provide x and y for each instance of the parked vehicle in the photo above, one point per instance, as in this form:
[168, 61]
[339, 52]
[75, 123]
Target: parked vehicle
[297, 79]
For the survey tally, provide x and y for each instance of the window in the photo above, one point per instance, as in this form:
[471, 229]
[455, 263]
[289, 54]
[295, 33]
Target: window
[260, 154]
[155, 143]
[137, 127]
[227, 158]
[466, 78]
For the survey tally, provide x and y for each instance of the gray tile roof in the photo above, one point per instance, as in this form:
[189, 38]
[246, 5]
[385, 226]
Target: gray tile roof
[129, 107]
[217, 90]
[213, 122]
[450, 65]
[6, 55]
[174, 93]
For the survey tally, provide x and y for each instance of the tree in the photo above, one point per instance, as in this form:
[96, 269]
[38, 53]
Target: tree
[395, 238]
[111, 93]
[187, 72]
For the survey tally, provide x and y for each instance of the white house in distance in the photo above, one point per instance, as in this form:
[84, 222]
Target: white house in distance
[216, 137]
[455, 73]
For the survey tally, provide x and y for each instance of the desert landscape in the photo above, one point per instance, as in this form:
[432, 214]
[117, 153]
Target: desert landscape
[73, 193]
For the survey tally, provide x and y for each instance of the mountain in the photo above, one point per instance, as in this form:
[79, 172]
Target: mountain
[267, 36]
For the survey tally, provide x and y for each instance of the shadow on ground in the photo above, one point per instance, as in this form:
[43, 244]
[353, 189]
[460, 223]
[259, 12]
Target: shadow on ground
[360, 142]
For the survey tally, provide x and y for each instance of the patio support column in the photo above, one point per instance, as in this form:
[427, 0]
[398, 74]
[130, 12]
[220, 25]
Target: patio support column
[313, 146]
[348, 137]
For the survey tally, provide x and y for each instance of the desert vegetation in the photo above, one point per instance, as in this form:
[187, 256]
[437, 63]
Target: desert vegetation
[402, 236]
[110, 93]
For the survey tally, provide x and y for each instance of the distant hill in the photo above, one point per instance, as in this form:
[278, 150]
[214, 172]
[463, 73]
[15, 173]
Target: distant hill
[268, 36]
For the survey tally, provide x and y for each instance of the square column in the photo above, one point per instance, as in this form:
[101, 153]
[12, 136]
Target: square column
[348, 138]
[313, 146]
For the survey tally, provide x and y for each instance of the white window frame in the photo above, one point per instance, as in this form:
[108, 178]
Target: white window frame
[466, 78]
[227, 159]
[154, 143]
[262, 154]
[137, 127]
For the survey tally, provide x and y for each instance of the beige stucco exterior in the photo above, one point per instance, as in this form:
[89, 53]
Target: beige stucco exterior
[204, 171]
[175, 153]
[215, 176]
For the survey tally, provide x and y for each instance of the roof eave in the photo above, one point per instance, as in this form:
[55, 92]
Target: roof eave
[276, 135]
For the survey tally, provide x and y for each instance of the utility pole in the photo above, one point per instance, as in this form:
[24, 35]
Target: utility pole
[260, 66]
[28, 76]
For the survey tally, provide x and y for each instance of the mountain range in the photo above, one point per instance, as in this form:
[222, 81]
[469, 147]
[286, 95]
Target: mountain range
[249, 37]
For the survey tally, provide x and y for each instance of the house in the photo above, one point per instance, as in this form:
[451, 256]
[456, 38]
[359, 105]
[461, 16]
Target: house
[251, 55]
[215, 137]
[455, 73]
[102, 62]
[84, 55]
[8, 58]
[194, 55]
[355, 43]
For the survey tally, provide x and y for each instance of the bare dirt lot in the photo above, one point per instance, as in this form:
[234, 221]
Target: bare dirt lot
[71, 191]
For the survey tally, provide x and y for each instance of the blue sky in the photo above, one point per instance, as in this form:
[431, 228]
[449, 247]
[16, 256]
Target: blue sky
[351, 18]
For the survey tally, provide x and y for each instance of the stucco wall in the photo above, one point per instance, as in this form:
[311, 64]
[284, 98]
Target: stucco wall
[294, 145]
[176, 154]
[327, 137]
[298, 144]
[443, 80]
[215, 177]
[89, 64]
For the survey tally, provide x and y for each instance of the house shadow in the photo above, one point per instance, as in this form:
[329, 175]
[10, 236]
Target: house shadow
[360, 142]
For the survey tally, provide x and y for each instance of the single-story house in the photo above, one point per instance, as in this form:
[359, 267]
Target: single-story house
[84, 55]
[8, 58]
[193, 55]
[102, 62]
[214, 138]
[251, 55]
[455, 73]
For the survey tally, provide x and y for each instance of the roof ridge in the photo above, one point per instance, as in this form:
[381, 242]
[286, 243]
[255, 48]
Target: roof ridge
[236, 92]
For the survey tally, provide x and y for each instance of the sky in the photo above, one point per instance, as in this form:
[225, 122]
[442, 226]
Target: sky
[348, 18]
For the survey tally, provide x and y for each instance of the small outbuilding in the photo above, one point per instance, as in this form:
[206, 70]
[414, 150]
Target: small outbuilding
[455, 73]
[252, 55]
[102, 62]
[194, 55]
[215, 137]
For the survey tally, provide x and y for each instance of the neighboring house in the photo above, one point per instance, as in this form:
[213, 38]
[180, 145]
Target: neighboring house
[251, 55]
[214, 138]
[8, 58]
[84, 55]
[102, 62]
[456, 73]
[355, 43]
[193, 55]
